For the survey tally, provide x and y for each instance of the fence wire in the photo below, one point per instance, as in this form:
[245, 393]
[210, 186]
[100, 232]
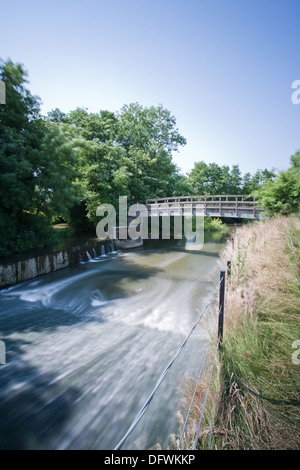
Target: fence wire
[163, 375]
[192, 400]
[206, 396]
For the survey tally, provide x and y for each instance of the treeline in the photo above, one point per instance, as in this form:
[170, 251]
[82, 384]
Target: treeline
[214, 179]
[60, 167]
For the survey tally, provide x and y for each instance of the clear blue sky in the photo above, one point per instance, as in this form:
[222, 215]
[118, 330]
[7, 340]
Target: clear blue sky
[224, 68]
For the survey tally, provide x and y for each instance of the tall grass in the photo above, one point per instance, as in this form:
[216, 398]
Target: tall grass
[258, 385]
[260, 397]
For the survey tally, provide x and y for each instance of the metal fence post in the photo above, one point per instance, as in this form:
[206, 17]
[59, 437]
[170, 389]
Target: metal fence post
[228, 269]
[221, 308]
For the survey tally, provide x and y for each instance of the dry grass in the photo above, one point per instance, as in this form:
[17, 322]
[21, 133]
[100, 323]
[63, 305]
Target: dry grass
[260, 385]
[194, 402]
[258, 400]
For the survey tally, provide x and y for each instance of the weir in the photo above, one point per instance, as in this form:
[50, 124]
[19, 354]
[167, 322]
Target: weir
[29, 268]
[86, 345]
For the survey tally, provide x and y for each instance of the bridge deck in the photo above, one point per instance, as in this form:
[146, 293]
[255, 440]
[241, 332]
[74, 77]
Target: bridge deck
[239, 206]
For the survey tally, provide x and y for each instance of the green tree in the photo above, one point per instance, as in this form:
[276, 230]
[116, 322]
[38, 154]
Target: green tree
[56, 188]
[33, 162]
[235, 180]
[127, 154]
[214, 179]
[253, 183]
[198, 178]
[102, 126]
[20, 133]
[282, 195]
[101, 162]
[149, 136]
[57, 116]
[247, 184]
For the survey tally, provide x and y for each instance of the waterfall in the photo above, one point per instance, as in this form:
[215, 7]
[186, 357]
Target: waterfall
[102, 250]
[88, 255]
[95, 254]
[110, 246]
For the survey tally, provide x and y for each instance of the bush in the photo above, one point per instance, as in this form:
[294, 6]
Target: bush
[212, 224]
[282, 196]
[41, 234]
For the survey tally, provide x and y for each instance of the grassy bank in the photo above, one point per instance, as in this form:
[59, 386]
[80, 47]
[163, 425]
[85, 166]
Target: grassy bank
[258, 378]
[260, 381]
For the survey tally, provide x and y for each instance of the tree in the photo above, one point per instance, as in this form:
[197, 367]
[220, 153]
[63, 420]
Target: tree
[57, 116]
[198, 178]
[282, 195]
[235, 180]
[102, 126]
[247, 183]
[100, 162]
[253, 183]
[20, 131]
[127, 154]
[56, 188]
[149, 136]
[33, 163]
[214, 179]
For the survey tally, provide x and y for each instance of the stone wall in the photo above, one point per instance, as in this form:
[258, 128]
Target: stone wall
[13, 273]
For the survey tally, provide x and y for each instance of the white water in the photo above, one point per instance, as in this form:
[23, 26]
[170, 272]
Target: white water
[86, 345]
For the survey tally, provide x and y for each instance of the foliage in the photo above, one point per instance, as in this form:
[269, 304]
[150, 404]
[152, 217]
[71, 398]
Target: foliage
[128, 153]
[214, 179]
[63, 166]
[36, 232]
[212, 224]
[282, 195]
[37, 164]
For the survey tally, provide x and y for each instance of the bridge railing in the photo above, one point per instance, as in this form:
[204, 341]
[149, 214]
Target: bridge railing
[208, 203]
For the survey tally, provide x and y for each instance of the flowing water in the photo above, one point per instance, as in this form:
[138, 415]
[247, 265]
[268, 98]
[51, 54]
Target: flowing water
[85, 347]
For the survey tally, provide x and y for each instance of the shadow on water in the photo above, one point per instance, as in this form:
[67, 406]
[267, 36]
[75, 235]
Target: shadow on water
[32, 408]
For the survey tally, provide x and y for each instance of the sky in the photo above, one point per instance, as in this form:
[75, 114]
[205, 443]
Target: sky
[223, 68]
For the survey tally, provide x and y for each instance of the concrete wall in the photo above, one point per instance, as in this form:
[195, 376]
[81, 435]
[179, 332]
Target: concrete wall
[129, 243]
[13, 273]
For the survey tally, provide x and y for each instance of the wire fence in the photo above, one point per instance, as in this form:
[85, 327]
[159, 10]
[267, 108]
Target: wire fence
[205, 399]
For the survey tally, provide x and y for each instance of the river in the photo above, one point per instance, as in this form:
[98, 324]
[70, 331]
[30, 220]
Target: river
[85, 347]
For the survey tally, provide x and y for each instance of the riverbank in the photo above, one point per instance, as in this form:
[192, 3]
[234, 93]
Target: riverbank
[30, 265]
[259, 372]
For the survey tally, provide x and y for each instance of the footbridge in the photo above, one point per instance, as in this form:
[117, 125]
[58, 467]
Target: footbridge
[233, 206]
